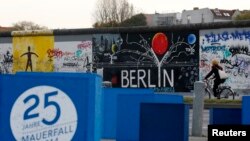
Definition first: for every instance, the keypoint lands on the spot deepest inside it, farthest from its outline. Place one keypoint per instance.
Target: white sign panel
(43, 113)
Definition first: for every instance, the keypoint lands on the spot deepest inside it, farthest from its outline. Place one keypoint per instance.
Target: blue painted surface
(246, 110)
(84, 90)
(110, 107)
(128, 112)
(162, 122)
(225, 116)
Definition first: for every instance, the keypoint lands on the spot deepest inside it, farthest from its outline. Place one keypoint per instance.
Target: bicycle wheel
(227, 93)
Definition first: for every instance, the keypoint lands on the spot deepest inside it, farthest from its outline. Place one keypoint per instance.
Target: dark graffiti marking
(8, 58)
(74, 58)
(6, 63)
(241, 72)
(225, 36)
(29, 60)
(70, 64)
(240, 60)
(239, 50)
(225, 61)
(238, 65)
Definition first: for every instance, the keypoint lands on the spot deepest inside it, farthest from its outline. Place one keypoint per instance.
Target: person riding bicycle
(217, 81)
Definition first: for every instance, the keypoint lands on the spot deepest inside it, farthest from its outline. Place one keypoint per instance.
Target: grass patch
(189, 100)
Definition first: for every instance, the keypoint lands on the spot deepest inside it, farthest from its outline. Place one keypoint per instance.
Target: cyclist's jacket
(214, 71)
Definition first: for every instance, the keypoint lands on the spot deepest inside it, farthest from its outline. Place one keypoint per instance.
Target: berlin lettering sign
(163, 60)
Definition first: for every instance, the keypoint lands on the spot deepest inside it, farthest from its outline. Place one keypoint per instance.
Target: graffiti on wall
(105, 48)
(39, 54)
(30, 53)
(75, 56)
(6, 58)
(231, 47)
(154, 60)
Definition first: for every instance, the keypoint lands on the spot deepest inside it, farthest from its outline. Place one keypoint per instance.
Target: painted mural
(75, 56)
(30, 53)
(230, 46)
(159, 60)
(105, 48)
(6, 58)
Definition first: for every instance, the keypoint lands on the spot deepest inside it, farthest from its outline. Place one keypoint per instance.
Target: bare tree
(112, 12)
(28, 25)
(126, 11)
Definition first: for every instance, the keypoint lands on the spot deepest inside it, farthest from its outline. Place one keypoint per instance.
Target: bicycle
(224, 91)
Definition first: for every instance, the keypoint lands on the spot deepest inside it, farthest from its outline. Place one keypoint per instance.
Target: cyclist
(217, 81)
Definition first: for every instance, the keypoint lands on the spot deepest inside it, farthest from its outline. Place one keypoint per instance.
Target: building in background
(5, 29)
(206, 15)
(158, 19)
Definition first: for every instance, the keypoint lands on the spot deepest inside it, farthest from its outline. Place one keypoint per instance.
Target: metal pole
(198, 107)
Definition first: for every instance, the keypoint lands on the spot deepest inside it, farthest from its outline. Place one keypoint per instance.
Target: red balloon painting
(160, 43)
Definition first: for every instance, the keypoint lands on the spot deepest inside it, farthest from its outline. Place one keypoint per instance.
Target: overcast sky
(79, 13)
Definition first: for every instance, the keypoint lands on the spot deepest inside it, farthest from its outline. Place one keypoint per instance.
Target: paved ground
(197, 138)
